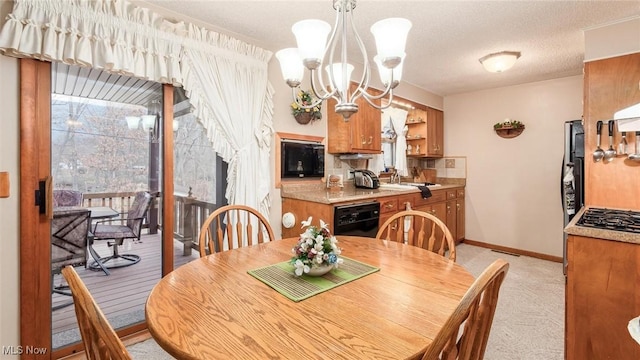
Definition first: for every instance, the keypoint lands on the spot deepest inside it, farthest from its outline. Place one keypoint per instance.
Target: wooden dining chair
(233, 226)
(98, 337)
(420, 229)
(475, 311)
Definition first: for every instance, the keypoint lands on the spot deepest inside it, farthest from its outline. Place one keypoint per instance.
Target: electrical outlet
(349, 174)
(337, 163)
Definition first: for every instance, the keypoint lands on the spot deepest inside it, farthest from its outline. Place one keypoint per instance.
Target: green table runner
(281, 278)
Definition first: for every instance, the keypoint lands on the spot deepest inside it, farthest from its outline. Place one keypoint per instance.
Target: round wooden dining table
(211, 308)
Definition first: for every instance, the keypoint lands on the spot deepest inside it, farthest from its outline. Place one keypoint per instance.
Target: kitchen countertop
(348, 194)
(573, 229)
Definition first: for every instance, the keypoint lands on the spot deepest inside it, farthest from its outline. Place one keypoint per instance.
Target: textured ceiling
(447, 38)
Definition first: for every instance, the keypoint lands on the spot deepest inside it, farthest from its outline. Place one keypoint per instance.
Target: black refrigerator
(572, 177)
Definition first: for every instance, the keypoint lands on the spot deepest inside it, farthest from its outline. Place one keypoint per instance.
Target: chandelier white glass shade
(387, 76)
(311, 37)
(499, 62)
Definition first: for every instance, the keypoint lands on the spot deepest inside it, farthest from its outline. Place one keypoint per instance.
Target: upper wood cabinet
(426, 132)
(360, 134)
(417, 132)
(610, 85)
(435, 133)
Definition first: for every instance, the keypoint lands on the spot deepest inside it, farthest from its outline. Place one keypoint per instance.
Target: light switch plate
(4, 184)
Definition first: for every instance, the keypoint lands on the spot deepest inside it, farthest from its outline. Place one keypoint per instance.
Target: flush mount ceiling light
(311, 37)
(499, 62)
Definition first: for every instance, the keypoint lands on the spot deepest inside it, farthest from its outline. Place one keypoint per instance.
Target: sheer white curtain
(225, 79)
(399, 117)
(232, 96)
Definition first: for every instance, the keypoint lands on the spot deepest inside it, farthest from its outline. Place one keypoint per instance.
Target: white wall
(512, 192)
(614, 39)
(9, 148)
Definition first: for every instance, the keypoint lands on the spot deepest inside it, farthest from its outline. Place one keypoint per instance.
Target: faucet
(395, 177)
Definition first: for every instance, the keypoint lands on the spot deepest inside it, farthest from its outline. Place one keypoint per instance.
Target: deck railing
(189, 214)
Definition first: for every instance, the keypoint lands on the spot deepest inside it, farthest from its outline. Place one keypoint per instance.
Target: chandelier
(311, 37)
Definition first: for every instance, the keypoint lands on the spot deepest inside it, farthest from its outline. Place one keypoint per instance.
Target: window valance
(225, 78)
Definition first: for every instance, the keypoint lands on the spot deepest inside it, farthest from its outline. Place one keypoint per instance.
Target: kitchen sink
(405, 186)
(397, 187)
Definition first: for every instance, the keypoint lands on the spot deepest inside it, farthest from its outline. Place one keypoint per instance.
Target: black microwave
(301, 159)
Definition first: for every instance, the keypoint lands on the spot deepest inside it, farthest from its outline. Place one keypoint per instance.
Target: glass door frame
(35, 166)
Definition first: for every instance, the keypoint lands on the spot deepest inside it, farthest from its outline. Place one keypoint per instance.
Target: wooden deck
(121, 295)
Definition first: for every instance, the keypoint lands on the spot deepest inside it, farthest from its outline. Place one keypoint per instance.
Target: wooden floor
(122, 294)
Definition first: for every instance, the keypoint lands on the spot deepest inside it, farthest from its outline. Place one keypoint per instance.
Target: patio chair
(417, 226)
(69, 231)
(129, 228)
(475, 311)
(67, 198)
(98, 337)
(229, 220)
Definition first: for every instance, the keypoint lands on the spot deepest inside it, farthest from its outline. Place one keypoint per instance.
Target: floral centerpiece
(303, 115)
(315, 249)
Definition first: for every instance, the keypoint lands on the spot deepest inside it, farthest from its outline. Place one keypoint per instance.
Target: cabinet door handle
(362, 138)
(394, 226)
(432, 211)
(458, 207)
(370, 140)
(388, 206)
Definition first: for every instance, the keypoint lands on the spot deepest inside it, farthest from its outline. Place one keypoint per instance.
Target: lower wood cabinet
(447, 205)
(602, 295)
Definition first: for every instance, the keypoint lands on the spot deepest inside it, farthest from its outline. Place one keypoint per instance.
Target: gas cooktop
(611, 219)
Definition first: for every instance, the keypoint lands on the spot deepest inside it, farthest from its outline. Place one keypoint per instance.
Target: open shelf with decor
(509, 128)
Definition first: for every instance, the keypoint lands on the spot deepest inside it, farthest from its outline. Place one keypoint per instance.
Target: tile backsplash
(448, 167)
(451, 167)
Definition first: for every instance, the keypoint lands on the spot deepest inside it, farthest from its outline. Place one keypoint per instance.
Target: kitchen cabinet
(417, 132)
(435, 133)
(610, 85)
(438, 208)
(455, 214)
(460, 218)
(360, 134)
(389, 205)
(425, 132)
(602, 295)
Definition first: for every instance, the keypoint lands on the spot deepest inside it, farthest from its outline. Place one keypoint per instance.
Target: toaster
(365, 179)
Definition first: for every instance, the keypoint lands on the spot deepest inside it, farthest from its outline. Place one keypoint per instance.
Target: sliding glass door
(199, 179)
(106, 163)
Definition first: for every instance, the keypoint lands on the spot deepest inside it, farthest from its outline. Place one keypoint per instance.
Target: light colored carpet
(529, 320)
